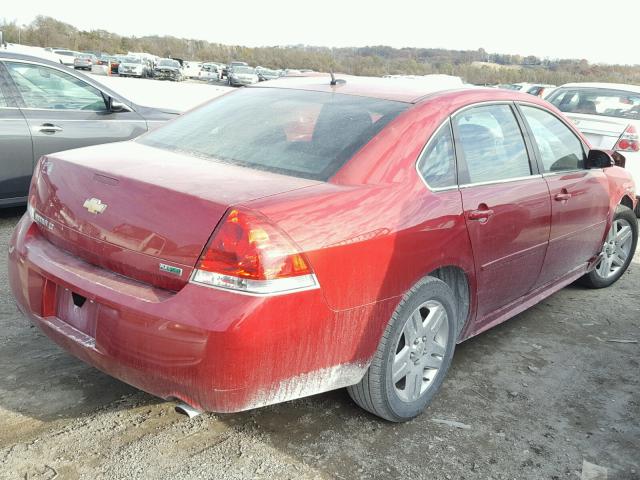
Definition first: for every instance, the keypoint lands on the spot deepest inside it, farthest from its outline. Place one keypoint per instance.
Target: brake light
(250, 254)
(628, 141)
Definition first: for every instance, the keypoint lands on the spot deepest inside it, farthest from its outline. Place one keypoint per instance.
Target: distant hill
(474, 66)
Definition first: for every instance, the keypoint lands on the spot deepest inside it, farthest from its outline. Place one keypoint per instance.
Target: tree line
(474, 66)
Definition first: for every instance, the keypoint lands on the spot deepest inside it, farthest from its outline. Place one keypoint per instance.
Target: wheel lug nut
(424, 339)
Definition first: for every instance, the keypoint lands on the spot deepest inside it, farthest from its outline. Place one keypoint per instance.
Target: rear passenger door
(16, 153)
(579, 197)
(506, 205)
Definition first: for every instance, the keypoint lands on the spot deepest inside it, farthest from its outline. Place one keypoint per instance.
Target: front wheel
(617, 251)
(413, 356)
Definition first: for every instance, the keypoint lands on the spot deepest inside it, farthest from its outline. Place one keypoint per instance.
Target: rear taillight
(628, 141)
(250, 254)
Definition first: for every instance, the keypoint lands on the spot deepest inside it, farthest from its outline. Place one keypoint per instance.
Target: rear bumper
(243, 82)
(632, 165)
(213, 349)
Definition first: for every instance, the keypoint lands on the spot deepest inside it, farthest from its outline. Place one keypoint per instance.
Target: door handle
(482, 215)
(48, 128)
(562, 197)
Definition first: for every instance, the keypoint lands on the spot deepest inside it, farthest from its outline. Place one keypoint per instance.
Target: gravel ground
(546, 395)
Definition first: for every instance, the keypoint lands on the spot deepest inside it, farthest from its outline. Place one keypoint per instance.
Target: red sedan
(300, 236)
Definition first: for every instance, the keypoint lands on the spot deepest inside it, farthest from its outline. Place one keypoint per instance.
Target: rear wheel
(617, 251)
(413, 356)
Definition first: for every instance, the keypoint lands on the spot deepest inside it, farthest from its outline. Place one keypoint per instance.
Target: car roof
(408, 90)
(614, 86)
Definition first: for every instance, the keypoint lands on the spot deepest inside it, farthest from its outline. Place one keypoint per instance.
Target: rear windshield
(300, 133)
(597, 101)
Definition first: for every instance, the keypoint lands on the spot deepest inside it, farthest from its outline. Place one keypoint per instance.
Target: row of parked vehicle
(538, 89)
(130, 65)
(143, 65)
(236, 73)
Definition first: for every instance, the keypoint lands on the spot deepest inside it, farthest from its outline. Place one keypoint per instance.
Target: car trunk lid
(601, 131)
(139, 211)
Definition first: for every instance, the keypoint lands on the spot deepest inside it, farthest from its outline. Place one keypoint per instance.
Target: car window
(437, 164)
(295, 132)
(559, 147)
(3, 100)
(492, 144)
(48, 88)
(597, 101)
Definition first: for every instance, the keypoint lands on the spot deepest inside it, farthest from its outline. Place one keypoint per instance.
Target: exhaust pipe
(187, 410)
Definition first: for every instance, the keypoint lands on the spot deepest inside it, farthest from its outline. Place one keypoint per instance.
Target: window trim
(20, 101)
(455, 186)
(536, 150)
(463, 170)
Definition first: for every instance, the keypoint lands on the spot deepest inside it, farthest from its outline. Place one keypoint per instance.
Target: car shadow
(42, 381)
(39, 379)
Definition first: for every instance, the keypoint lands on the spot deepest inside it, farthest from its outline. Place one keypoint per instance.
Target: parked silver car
(46, 107)
(133, 67)
(240, 75)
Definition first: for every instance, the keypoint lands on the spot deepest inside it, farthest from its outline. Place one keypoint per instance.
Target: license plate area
(77, 311)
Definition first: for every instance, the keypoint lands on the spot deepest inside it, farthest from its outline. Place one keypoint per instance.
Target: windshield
(243, 70)
(131, 60)
(300, 133)
(168, 63)
(597, 101)
(65, 52)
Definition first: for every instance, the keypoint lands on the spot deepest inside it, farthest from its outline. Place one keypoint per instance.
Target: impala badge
(170, 269)
(94, 205)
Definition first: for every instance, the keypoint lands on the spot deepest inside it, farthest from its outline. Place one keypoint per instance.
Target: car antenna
(334, 80)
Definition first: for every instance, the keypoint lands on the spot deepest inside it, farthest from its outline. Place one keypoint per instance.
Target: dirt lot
(546, 395)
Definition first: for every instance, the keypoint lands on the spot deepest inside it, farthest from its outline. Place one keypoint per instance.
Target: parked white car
(608, 114)
(210, 71)
(191, 69)
(66, 57)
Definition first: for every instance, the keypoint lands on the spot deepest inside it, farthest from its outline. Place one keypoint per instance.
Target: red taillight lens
(247, 252)
(628, 141)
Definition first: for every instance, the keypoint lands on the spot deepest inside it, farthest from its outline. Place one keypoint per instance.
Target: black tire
(593, 279)
(376, 392)
(637, 210)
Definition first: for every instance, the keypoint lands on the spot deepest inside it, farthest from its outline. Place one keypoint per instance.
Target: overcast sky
(605, 33)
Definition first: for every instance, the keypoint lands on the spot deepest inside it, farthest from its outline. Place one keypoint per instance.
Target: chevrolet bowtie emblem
(94, 205)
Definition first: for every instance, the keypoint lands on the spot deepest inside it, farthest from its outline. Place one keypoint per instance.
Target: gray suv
(46, 107)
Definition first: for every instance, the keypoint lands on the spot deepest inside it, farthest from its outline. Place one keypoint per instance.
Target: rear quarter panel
(375, 229)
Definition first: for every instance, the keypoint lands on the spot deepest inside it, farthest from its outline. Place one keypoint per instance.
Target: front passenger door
(579, 197)
(506, 206)
(64, 112)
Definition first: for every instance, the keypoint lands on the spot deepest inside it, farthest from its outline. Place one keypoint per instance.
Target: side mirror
(601, 159)
(116, 106)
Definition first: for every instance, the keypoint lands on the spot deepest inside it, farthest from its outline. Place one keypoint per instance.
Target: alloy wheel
(420, 351)
(616, 249)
